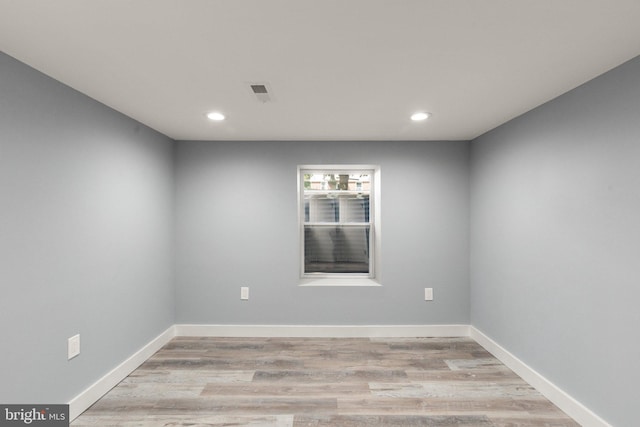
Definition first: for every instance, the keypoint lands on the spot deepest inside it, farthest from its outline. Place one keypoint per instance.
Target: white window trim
(375, 277)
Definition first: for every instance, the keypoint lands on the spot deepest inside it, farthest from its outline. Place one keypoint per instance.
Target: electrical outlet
(244, 292)
(73, 347)
(428, 294)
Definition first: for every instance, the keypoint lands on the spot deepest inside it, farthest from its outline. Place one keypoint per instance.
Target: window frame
(373, 278)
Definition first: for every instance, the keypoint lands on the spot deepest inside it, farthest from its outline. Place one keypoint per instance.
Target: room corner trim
(94, 392)
(323, 331)
(555, 394)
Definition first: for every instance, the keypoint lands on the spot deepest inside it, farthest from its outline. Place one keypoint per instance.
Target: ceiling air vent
(261, 91)
(259, 88)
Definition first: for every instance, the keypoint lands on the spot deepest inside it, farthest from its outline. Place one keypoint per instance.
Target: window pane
(334, 207)
(341, 181)
(355, 208)
(321, 208)
(336, 249)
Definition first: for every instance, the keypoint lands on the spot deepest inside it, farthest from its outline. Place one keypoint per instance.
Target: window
(339, 224)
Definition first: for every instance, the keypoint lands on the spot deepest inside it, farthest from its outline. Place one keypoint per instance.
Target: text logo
(34, 415)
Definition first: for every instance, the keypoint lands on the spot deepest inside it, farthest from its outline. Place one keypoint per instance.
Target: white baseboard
(565, 402)
(323, 331)
(576, 410)
(93, 393)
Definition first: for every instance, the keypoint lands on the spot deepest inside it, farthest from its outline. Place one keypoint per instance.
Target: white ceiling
(337, 69)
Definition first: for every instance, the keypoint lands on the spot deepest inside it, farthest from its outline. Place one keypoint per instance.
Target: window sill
(327, 281)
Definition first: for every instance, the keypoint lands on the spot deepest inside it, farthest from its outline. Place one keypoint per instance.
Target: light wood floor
(318, 382)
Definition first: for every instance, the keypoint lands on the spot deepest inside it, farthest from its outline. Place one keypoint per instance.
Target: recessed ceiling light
(418, 117)
(215, 116)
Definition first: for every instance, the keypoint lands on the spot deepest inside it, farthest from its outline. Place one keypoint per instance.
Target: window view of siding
(337, 222)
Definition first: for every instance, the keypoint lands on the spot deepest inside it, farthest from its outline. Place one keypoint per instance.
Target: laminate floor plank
(186, 376)
(496, 375)
(326, 376)
(391, 421)
(184, 420)
(322, 382)
(267, 389)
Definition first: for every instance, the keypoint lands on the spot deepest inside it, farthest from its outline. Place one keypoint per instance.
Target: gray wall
(85, 236)
(236, 216)
(555, 246)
